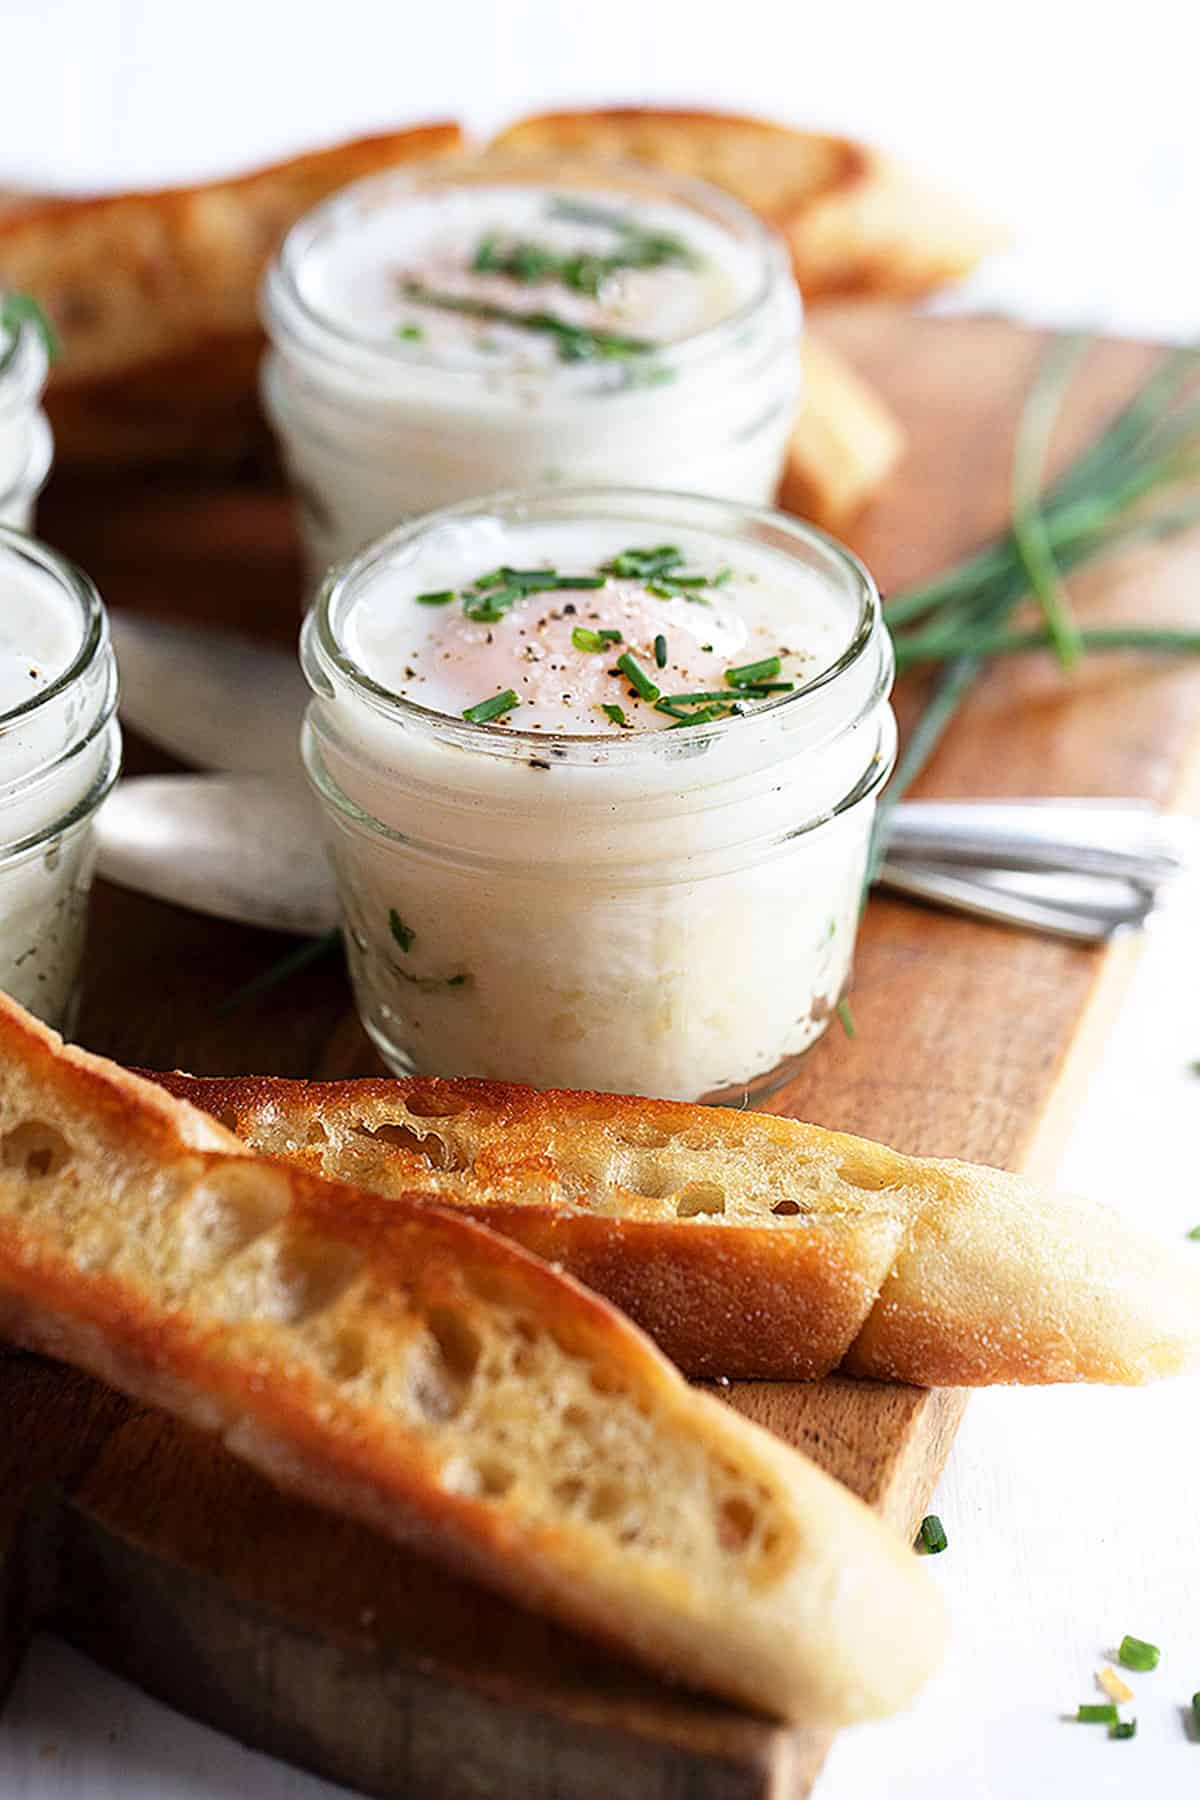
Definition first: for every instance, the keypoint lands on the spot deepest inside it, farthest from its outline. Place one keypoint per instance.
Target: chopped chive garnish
(584, 638)
(756, 689)
(1097, 1715)
(1194, 1234)
(665, 587)
(537, 580)
(1136, 1653)
(584, 271)
(1196, 1711)
(488, 607)
(752, 673)
(484, 252)
(659, 568)
(576, 343)
(615, 713)
(637, 678)
(660, 651)
(493, 594)
(1124, 1728)
(584, 212)
(484, 711)
(530, 578)
(932, 1535)
(404, 934)
(440, 597)
(412, 334)
(642, 563)
(703, 697)
(690, 715)
(704, 716)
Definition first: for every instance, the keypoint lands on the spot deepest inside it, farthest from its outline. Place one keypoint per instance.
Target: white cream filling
(751, 608)
(358, 276)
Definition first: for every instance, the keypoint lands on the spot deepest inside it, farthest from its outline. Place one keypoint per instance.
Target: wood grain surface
(146, 1545)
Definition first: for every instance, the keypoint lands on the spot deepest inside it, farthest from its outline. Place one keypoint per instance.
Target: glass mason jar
(60, 753)
(26, 443)
(377, 430)
(658, 912)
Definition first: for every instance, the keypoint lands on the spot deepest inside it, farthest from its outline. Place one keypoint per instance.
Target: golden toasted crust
(406, 1366)
(754, 1246)
(155, 297)
(845, 444)
(771, 168)
(856, 223)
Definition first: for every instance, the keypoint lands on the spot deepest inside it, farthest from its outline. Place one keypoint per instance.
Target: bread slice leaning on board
(403, 1365)
(857, 222)
(753, 1246)
(154, 296)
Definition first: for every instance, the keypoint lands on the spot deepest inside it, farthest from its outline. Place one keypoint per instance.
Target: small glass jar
(377, 431)
(26, 442)
(60, 754)
(659, 912)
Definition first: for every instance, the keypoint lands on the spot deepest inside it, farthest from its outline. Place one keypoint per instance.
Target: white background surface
(1073, 1515)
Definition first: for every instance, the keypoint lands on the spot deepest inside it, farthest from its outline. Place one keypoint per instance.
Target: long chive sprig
(1029, 531)
(1147, 445)
(575, 343)
(1102, 503)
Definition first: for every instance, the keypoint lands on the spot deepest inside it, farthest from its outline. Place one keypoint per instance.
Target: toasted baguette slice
(402, 1365)
(155, 296)
(748, 1245)
(855, 221)
(845, 444)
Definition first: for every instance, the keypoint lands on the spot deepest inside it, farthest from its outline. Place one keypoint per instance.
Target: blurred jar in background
(442, 334)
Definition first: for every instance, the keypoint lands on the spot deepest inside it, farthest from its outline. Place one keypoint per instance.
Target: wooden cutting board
(151, 1549)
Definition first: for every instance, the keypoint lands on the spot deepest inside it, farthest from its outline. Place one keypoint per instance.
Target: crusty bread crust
(753, 1246)
(856, 223)
(155, 294)
(402, 1364)
(775, 170)
(155, 298)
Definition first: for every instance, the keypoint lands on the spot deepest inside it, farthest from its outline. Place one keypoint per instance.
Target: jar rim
(94, 624)
(283, 301)
(321, 649)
